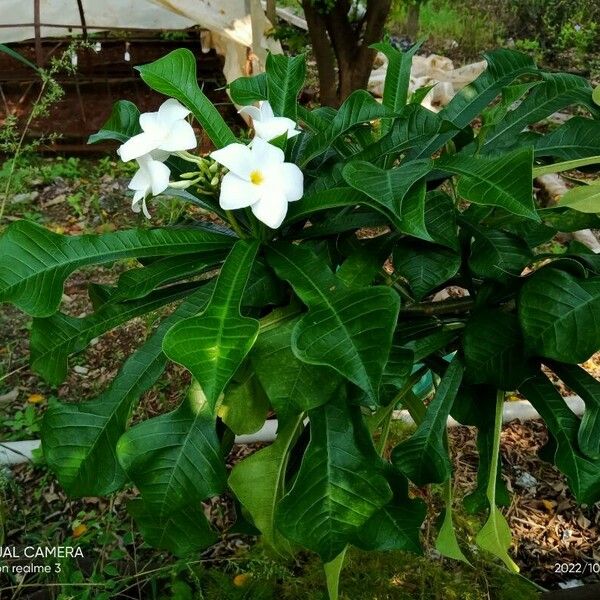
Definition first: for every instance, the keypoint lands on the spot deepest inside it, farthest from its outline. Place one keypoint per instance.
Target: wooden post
(39, 57)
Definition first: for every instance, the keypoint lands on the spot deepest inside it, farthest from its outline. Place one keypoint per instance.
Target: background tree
(341, 33)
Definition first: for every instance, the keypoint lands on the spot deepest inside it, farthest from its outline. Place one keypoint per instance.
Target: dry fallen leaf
(79, 530)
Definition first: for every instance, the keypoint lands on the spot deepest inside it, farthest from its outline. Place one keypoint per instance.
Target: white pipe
(13, 453)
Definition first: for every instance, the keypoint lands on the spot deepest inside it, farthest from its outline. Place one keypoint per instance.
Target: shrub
(328, 316)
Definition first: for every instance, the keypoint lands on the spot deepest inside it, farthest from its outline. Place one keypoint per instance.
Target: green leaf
(247, 90)
(333, 570)
(559, 315)
(137, 283)
(182, 532)
(395, 526)
(175, 459)
(495, 535)
(577, 138)
(337, 489)
(214, 344)
(285, 79)
(588, 388)
(557, 91)
(123, 123)
(585, 198)
(389, 189)
(413, 126)
(503, 67)
(567, 219)
(440, 219)
(54, 338)
(567, 165)
(245, 405)
(473, 406)
(267, 466)
(497, 255)
(349, 330)
(397, 76)
(504, 181)
(493, 348)
(298, 386)
(174, 75)
(14, 54)
(359, 107)
(78, 437)
(36, 262)
(424, 266)
(446, 542)
(583, 473)
(423, 458)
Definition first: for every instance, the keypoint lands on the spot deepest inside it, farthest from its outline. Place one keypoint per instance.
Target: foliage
(313, 319)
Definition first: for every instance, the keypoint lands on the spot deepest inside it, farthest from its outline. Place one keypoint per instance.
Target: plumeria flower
(259, 178)
(266, 125)
(165, 130)
(151, 178)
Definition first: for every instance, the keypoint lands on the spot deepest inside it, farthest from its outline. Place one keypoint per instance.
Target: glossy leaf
(582, 472)
(175, 459)
(349, 330)
(336, 490)
(585, 198)
(285, 79)
(123, 123)
(504, 181)
(559, 315)
(494, 351)
(36, 261)
(77, 437)
(588, 388)
(54, 338)
(577, 138)
(247, 90)
(214, 344)
(424, 266)
(298, 386)
(423, 458)
(183, 532)
(446, 542)
(174, 75)
(267, 466)
(359, 107)
(389, 188)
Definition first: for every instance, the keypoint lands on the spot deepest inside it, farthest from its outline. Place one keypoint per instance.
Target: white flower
(151, 178)
(165, 130)
(258, 177)
(266, 125)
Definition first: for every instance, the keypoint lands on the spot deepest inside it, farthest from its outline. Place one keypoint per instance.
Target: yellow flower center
(256, 177)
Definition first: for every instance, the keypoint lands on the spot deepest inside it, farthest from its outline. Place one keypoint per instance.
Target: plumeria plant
(320, 296)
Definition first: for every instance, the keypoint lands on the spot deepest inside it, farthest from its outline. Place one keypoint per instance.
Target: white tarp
(234, 25)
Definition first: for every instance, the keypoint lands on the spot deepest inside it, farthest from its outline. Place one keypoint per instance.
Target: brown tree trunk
(412, 19)
(336, 39)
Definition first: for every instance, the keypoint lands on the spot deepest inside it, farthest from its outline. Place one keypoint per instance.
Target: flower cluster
(258, 177)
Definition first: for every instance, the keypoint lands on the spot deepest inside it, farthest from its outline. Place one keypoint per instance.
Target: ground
(77, 196)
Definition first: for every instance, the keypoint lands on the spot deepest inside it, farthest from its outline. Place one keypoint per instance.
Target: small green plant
(304, 279)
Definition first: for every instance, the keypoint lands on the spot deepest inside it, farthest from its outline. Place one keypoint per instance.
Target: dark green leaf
(285, 79)
(123, 123)
(423, 458)
(247, 90)
(559, 315)
(214, 344)
(36, 261)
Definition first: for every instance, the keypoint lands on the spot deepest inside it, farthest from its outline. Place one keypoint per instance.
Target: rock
(526, 480)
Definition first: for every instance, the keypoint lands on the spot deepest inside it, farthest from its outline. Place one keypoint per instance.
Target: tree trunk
(412, 19)
(336, 39)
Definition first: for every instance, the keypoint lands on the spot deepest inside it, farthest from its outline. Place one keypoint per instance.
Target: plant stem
(235, 225)
(495, 458)
(453, 305)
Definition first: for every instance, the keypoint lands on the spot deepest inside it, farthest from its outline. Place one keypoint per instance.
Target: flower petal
(252, 111)
(266, 110)
(271, 208)
(292, 181)
(273, 128)
(159, 176)
(237, 192)
(150, 124)
(265, 154)
(137, 146)
(238, 158)
(180, 137)
(172, 110)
